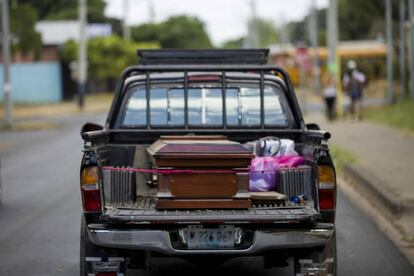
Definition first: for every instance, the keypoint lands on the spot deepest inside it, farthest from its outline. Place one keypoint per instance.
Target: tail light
(91, 197)
(327, 188)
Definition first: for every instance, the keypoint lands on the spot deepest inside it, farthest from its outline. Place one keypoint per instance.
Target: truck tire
(327, 254)
(87, 248)
(83, 238)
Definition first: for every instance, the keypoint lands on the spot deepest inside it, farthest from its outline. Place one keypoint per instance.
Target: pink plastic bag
(262, 175)
(263, 171)
(289, 161)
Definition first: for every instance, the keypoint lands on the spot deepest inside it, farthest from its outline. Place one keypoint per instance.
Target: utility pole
(8, 118)
(125, 28)
(151, 11)
(313, 33)
(388, 19)
(82, 53)
(402, 47)
(254, 32)
(333, 66)
(411, 24)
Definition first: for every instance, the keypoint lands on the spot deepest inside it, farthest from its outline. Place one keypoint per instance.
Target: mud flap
(318, 262)
(94, 260)
(103, 266)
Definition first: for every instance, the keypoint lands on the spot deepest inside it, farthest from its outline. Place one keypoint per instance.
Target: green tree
(234, 43)
(267, 32)
(176, 32)
(25, 38)
(184, 32)
(146, 32)
(66, 9)
(107, 56)
(297, 31)
(357, 19)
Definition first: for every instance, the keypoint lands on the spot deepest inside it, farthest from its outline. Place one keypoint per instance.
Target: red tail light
(91, 196)
(327, 188)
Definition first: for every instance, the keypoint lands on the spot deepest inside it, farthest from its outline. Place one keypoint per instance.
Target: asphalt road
(40, 216)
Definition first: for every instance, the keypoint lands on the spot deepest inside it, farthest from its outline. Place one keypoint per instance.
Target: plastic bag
(262, 175)
(287, 147)
(263, 171)
(268, 146)
(289, 161)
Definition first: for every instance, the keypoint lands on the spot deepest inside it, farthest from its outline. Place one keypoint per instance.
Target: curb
(378, 193)
(390, 227)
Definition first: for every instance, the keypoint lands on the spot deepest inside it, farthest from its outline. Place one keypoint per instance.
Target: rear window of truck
(241, 106)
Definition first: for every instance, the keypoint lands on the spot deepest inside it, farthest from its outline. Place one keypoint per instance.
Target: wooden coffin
(217, 176)
(199, 152)
(203, 190)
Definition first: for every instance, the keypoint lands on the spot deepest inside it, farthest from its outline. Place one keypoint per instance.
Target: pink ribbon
(169, 171)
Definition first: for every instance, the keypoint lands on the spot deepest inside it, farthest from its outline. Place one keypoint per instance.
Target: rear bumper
(159, 240)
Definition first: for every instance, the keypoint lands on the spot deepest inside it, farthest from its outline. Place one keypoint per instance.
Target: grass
(341, 157)
(399, 115)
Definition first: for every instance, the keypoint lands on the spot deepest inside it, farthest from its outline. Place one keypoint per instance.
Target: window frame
(130, 88)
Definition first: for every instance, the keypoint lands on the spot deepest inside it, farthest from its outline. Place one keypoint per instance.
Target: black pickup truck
(174, 172)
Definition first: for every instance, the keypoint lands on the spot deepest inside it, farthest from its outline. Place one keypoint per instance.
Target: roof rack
(216, 56)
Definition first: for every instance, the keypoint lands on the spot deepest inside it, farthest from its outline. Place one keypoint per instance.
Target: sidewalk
(384, 174)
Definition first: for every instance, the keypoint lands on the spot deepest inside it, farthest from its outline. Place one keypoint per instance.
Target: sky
(224, 19)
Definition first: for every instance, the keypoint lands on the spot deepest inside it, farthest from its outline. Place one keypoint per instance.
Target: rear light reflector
(91, 196)
(327, 188)
(325, 199)
(195, 78)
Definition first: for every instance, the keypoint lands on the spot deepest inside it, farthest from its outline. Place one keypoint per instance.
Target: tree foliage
(261, 33)
(66, 9)
(184, 32)
(357, 20)
(266, 32)
(233, 43)
(107, 56)
(176, 32)
(24, 37)
(146, 32)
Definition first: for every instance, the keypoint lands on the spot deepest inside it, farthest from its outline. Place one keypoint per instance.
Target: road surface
(40, 215)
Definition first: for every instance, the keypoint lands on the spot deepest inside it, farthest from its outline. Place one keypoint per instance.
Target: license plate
(199, 237)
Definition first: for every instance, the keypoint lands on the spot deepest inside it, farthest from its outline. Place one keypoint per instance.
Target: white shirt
(360, 77)
(330, 91)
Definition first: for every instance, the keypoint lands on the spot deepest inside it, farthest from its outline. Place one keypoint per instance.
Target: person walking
(329, 95)
(353, 84)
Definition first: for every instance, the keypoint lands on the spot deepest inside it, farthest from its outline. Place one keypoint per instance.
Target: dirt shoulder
(93, 103)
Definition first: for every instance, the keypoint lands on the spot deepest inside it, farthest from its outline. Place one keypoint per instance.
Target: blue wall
(39, 82)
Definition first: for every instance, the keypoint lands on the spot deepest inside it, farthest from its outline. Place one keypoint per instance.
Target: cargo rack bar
(206, 56)
(220, 69)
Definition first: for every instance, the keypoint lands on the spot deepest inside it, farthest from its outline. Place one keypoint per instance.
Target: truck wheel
(87, 248)
(325, 259)
(83, 240)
